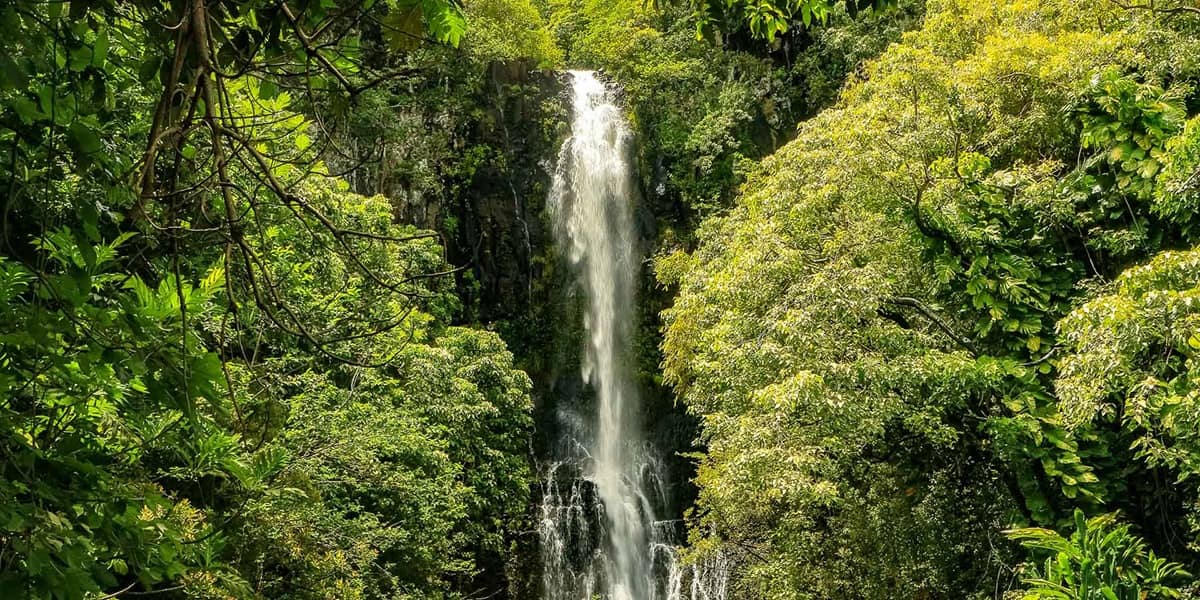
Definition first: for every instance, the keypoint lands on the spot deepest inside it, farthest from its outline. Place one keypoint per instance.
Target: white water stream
(598, 532)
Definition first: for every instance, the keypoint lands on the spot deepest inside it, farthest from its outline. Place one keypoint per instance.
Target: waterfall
(598, 531)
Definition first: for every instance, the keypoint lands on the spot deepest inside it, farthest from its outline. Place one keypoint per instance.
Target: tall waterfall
(598, 532)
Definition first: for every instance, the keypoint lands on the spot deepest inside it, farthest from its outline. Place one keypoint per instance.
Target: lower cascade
(604, 491)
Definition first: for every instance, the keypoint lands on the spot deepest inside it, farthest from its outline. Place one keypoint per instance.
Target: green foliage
(1132, 358)
(1131, 121)
(766, 19)
(1175, 196)
(508, 30)
(223, 376)
(434, 472)
(407, 21)
(120, 395)
(902, 332)
(110, 399)
(1101, 560)
(1126, 125)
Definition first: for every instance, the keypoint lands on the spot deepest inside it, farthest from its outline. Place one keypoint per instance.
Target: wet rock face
(501, 231)
(496, 226)
(465, 150)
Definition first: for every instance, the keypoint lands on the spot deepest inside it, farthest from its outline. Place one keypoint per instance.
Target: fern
(1101, 560)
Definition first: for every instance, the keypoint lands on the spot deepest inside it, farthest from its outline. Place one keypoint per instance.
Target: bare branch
(961, 340)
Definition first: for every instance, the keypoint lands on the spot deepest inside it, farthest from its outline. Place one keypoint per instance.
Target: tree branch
(1149, 6)
(928, 313)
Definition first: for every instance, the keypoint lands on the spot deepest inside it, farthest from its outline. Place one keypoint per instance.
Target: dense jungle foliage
(225, 374)
(961, 300)
(274, 280)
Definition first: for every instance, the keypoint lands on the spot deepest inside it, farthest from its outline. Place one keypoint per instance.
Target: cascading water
(598, 531)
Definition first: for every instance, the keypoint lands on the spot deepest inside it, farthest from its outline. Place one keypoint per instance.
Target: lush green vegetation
(958, 301)
(224, 374)
(928, 272)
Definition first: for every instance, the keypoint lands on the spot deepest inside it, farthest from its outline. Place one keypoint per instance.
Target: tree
(180, 296)
(872, 335)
